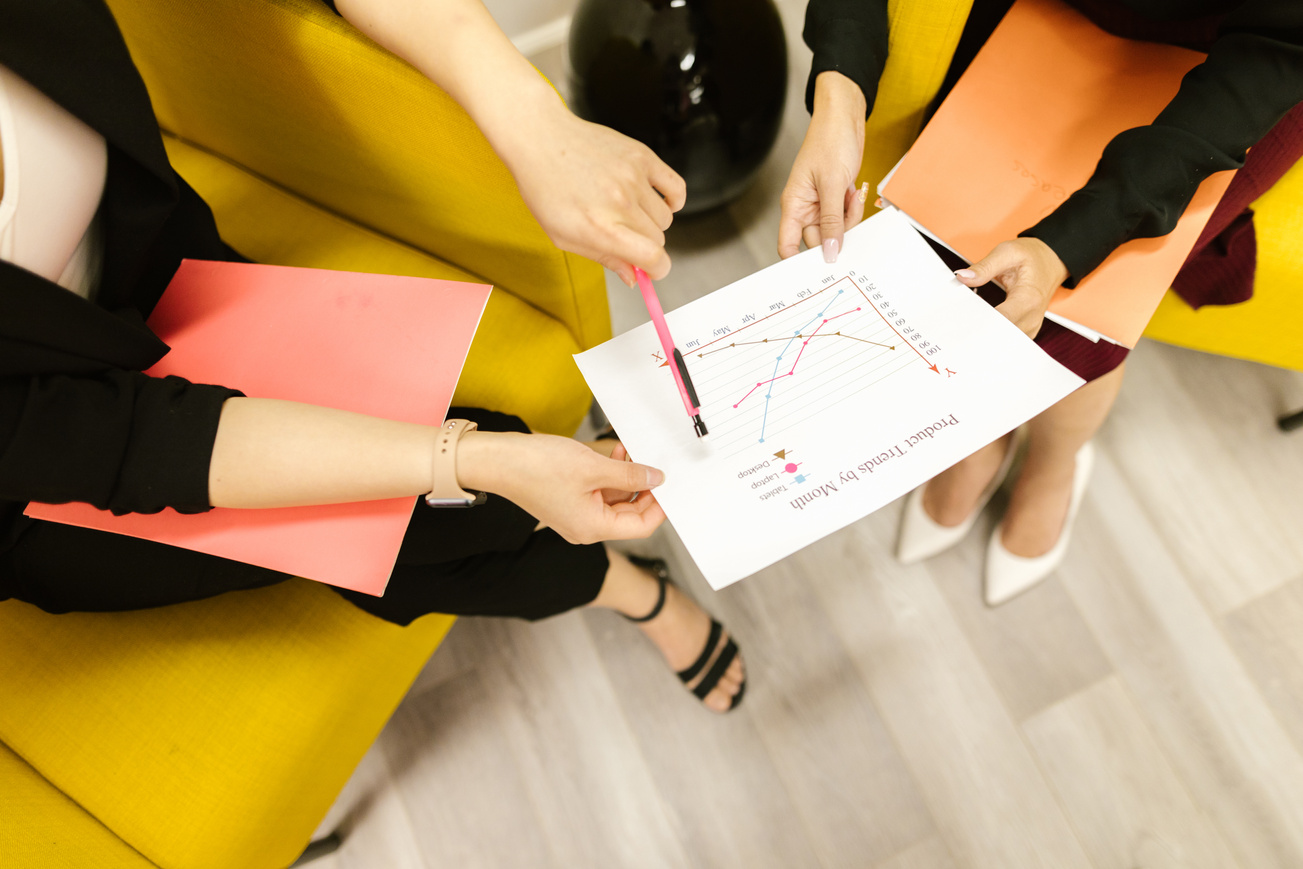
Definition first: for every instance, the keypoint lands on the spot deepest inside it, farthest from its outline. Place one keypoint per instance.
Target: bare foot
(1038, 508)
(950, 497)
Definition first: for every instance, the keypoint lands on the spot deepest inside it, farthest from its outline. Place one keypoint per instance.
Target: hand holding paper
(1024, 128)
(344, 415)
(576, 491)
(1028, 271)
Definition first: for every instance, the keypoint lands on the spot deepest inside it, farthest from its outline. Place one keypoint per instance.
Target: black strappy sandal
(726, 655)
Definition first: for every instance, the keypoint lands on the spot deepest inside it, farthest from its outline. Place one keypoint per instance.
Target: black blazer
(78, 421)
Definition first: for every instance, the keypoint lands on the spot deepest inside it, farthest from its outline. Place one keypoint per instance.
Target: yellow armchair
(218, 733)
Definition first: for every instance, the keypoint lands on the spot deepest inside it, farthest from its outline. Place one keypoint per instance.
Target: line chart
(797, 360)
(803, 358)
(830, 390)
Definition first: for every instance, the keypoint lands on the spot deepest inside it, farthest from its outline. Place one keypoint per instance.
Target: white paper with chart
(829, 391)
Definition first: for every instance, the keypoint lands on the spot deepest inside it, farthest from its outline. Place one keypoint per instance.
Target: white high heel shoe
(922, 537)
(1008, 574)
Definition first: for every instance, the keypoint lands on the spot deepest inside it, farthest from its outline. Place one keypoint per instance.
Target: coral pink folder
(375, 344)
(1024, 127)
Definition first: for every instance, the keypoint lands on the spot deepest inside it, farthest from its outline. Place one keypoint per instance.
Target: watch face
(477, 499)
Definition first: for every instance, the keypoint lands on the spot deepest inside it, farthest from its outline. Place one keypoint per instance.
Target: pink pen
(672, 354)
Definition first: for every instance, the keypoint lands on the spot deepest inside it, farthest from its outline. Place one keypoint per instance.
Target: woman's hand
(1029, 271)
(594, 191)
(612, 449)
(271, 453)
(820, 202)
(583, 495)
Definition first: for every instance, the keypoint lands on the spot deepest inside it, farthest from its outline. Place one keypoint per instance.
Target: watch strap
(445, 491)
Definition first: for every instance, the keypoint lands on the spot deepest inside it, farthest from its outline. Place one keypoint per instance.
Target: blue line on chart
(795, 335)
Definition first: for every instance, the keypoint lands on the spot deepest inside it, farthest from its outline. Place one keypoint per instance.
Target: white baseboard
(543, 37)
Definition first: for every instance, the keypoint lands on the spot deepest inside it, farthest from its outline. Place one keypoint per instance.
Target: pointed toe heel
(922, 537)
(1007, 575)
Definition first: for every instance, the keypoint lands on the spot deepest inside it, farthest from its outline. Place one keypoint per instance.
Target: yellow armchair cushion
(41, 827)
(920, 43)
(520, 361)
(292, 93)
(209, 734)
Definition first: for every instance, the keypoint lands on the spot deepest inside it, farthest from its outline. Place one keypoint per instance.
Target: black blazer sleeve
(119, 440)
(1147, 176)
(850, 37)
(78, 419)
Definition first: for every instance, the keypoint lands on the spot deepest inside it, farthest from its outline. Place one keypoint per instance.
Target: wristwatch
(444, 489)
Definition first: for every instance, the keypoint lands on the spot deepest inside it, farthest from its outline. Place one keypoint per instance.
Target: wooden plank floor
(1142, 708)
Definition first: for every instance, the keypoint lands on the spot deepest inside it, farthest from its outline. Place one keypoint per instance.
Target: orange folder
(376, 344)
(1024, 127)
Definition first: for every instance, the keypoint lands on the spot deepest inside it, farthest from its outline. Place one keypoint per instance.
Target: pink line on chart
(806, 342)
(758, 385)
(798, 356)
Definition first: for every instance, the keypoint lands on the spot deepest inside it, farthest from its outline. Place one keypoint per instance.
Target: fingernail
(654, 478)
(830, 250)
(864, 192)
(965, 273)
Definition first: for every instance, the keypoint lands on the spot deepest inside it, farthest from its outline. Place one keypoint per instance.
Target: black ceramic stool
(700, 82)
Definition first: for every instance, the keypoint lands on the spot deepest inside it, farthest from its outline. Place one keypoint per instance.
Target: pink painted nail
(830, 250)
(966, 273)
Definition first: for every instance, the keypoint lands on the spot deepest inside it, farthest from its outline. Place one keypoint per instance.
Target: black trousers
(485, 560)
